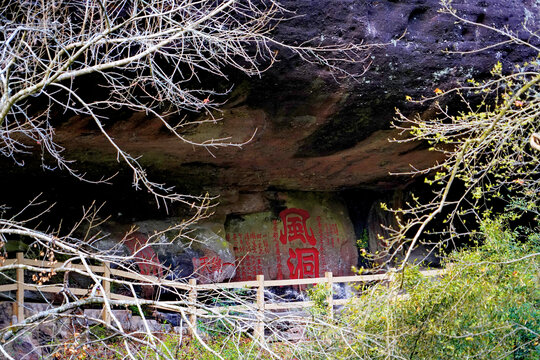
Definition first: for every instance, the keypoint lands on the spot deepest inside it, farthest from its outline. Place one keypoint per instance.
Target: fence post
(106, 292)
(192, 297)
(259, 327)
(330, 293)
(19, 305)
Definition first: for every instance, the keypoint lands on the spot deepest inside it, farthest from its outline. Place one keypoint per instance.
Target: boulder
(164, 250)
(216, 264)
(23, 347)
(302, 236)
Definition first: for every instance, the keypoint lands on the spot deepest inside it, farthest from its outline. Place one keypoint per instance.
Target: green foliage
(99, 332)
(485, 191)
(217, 328)
(319, 295)
(146, 310)
(179, 347)
(487, 306)
(228, 349)
(363, 242)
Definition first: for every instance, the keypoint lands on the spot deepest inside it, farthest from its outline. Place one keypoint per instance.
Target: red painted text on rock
(206, 265)
(295, 227)
(303, 263)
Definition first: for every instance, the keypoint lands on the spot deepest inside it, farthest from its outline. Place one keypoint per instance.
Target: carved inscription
(294, 246)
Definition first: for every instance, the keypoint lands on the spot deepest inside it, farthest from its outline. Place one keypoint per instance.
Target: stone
(30, 344)
(6, 314)
(305, 235)
(296, 333)
(137, 324)
(311, 132)
(217, 261)
(379, 222)
(123, 316)
(243, 203)
(22, 347)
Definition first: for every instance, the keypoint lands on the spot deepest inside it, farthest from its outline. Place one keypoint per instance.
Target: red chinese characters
(144, 255)
(302, 262)
(295, 227)
(306, 263)
(205, 265)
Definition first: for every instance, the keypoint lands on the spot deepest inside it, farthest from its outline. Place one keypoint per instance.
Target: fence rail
(109, 275)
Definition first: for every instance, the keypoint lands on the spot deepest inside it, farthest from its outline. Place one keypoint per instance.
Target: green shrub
(487, 306)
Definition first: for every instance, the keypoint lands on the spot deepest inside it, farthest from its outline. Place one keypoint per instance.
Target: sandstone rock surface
(305, 236)
(311, 132)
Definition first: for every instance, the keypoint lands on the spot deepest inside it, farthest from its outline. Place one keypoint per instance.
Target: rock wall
(311, 132)
(298, 235)
(311, 234)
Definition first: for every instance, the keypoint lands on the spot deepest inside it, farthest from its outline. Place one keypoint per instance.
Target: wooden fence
(193, 289)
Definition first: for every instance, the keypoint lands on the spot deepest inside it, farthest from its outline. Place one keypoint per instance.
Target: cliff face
(308, 131)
